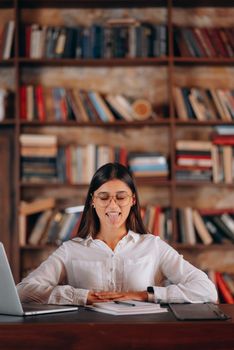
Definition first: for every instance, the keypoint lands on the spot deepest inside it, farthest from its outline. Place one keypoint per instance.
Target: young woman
(113, 256)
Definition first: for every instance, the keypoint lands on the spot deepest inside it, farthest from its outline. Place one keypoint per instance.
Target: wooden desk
(85, 330)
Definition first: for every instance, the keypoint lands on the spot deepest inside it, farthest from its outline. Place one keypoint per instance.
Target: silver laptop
(10, 303)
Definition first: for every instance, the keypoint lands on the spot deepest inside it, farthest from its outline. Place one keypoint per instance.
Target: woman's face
(112, 202)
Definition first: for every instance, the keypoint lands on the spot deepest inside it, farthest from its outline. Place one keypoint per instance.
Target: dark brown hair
(90, 224)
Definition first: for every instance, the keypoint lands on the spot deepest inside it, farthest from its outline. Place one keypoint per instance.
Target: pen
(124, 303)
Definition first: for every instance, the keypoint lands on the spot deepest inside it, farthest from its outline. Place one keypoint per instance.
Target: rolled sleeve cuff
(68, 295)
(80, 296)
(160, 294)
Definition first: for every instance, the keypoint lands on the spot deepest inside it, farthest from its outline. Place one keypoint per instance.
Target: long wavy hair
(90, 224)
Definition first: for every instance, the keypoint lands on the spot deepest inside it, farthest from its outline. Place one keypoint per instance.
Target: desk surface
(86, 330)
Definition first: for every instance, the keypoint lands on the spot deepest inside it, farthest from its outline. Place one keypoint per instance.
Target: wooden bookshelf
(154, 76)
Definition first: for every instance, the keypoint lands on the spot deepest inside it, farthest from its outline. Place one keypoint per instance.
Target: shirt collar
(89, 239)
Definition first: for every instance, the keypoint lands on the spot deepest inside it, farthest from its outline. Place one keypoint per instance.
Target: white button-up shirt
(137, 261)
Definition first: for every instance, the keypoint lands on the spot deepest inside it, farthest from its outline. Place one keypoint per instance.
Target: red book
(192, 167)
(208, 43)
(215, 41)
(63, 109)
(203, 45)
(156, 229)
(193, 156)
(223, 139)
(213, 211)
(28, 30)
(75, 229)
(229, 34)
(223, 288)
(23, 104)
(123, 156)
(40, 103)
(226, 42)
(142, 211)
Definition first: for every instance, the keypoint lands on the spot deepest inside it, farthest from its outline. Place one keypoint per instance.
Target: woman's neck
(111, 237)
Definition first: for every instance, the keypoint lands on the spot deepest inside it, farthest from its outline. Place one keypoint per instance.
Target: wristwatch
(150, 291)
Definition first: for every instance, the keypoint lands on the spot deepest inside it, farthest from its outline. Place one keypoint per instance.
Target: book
(223, 288)
(10, 28)
(213, 230)
(201, 228)
(229, 280)
(223, 229)
(227, 164)
(3, 95)
(40, 227)
(37, 205)
(228, 221)
(117, 107)
(103, 111)
(193, 145)
(128, 307)
(189, 227)
(38, 140)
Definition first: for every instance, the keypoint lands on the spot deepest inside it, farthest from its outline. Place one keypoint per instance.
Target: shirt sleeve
(46, 284)
(188, 284)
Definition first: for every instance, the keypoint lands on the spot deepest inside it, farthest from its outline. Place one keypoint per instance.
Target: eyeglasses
(122, 198)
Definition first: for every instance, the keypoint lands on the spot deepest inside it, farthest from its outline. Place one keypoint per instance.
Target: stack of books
(148, 164)
(223, 150)
(194, 160)
(38, 157)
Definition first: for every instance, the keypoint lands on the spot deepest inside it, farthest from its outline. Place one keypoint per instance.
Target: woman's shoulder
(76, 241)
(73, 243)
(145, 237)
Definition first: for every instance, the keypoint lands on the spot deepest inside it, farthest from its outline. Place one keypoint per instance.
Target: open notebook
(10, 303)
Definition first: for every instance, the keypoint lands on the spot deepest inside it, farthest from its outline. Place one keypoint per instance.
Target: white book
(3, 95)
(38, 140)
(228, 221)
(9, 40)
(201, 228)
(127, 307)
(189, 227)
(75, 209)
(113, 101)
(192, 145)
